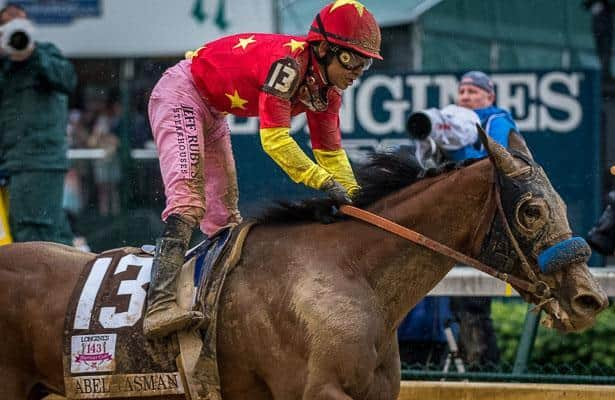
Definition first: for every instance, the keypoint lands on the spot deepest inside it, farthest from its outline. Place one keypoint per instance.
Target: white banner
(150, 28)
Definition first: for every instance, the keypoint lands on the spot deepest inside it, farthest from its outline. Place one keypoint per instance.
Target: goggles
(351, 60)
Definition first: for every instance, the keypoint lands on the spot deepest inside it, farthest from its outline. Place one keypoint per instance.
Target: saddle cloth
(105, 353)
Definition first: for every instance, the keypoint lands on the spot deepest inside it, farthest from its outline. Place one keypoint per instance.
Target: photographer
(453, 130)
(35, 81)
(453, 127)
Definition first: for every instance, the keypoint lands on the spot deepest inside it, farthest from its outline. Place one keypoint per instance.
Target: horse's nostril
(588, 303)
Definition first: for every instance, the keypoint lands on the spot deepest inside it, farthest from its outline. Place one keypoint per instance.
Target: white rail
(466, 281)
(97, 154)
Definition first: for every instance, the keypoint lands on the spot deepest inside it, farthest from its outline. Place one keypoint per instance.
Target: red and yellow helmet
(349, 24)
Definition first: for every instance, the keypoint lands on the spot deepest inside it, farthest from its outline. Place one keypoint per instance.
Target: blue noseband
(566, 252)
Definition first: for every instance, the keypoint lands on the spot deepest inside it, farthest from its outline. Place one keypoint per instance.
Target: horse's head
(530, 238)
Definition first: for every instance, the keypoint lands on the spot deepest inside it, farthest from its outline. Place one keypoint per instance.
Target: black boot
(163, 315)
(602, 236)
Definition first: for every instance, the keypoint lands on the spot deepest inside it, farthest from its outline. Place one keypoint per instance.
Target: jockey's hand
(326, 214)
(336, 192)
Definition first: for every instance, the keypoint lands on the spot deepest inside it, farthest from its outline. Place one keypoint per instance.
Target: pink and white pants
(195, 154)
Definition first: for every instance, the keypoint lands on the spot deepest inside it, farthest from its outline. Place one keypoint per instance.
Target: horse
(311, 310)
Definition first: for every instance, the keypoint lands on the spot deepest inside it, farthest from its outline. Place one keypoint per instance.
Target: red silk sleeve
(273, 111)
(325, 126)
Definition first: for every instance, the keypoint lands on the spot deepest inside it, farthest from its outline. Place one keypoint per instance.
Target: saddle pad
(206, 254)
(105, 354)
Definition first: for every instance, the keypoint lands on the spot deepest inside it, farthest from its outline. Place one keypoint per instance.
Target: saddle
(105, 352)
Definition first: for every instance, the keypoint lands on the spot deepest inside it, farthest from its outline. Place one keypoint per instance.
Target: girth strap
(438, 247)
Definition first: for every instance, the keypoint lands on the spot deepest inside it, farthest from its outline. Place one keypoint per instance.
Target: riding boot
(602, 236)
(163, 315)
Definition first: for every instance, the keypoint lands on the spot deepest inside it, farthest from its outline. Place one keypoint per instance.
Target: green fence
(579, 358)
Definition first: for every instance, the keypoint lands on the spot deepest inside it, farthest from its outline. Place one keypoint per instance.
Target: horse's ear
(502, 159)
(517, 142)
(484, 139)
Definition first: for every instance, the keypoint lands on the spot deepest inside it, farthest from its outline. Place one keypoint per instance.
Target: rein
(540, 289)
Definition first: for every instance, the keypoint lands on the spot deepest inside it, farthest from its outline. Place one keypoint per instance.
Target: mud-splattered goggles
(351, 60)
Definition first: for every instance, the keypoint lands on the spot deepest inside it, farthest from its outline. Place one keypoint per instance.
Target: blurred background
(541, 54)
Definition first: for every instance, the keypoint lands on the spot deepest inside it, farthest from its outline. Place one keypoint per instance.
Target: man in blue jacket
(35, 81)
(453, 131)
(476, 333)
(476, 92)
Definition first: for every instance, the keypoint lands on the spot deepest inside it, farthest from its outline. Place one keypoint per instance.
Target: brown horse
(311, 310)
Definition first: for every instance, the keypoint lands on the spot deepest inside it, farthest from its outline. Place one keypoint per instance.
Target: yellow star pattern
(190, 54)
(294, 45)
(236, 100)
(243, 43)
(360, 7)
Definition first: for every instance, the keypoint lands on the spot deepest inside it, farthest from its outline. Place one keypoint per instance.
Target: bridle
(538, 288)
(534, 286)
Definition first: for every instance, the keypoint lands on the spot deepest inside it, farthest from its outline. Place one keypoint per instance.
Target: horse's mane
(383, 174)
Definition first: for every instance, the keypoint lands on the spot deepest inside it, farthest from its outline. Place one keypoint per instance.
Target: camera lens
(418, 125)
(19, 40)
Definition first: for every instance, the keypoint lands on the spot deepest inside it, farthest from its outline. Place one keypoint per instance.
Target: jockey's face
(342, 76)
(473, 97)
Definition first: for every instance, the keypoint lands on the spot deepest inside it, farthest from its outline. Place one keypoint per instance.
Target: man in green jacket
(34, 87)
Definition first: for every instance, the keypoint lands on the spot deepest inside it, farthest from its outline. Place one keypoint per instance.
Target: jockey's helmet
(349, 24)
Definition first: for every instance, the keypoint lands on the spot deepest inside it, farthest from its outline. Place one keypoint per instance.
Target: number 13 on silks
(108, 317)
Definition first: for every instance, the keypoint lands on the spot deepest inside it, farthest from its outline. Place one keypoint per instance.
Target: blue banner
(556, 111)
(59, 11)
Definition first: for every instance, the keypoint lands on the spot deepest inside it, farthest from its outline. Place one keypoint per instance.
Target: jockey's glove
(336, 192)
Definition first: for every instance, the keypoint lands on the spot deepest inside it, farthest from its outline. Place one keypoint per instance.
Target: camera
(419, 125)
(16, 36)
(451, 127)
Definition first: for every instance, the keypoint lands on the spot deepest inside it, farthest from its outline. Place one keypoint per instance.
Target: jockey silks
(245, 75)
(263, 75)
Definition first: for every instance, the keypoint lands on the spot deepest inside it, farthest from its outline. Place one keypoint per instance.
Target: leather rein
(538, 288)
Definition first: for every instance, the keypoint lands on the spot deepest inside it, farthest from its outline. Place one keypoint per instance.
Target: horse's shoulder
(45, 251)
(37, 245)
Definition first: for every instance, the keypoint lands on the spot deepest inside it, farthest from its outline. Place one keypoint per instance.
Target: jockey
(271, 76)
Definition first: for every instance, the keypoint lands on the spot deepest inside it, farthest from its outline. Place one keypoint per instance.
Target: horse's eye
(532, 214)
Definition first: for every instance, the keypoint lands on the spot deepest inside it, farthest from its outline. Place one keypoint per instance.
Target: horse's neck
(447, 209)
